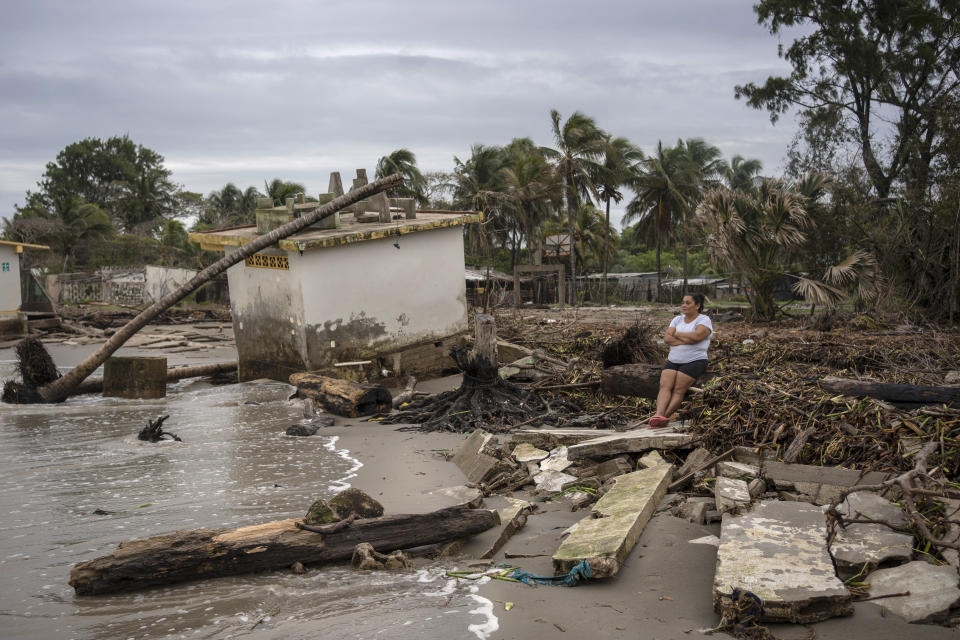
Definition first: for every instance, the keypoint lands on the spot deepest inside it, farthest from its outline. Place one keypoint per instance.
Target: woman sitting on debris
(688, 337)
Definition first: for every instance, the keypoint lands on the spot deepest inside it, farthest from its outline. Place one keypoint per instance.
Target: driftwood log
(639, 380)
(342, 397)
(211, 553)
(911, 393)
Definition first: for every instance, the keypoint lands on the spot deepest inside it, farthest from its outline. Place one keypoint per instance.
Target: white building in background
(13, 322)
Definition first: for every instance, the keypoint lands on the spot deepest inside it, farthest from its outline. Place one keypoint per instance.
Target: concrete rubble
(606, 537)
(821, 484)
(637, 441)
(933, 591)
(778, 552)
(737, 470)
(861, 547)
(477, 457)
(525, 452)
(731, 495)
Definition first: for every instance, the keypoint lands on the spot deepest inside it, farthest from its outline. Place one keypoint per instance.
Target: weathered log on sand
(343, 397)
(892, 392)
(211, 553)
(95, 385)
(640, 380)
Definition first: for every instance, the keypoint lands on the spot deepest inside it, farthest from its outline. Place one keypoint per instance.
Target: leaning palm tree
(761, 231)
(663, 186)
(404, 162)
(619, 167)
(579, 147)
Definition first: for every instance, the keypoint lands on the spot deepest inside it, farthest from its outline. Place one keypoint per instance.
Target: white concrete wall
(163, 280)
(9, 280)
(373, 294)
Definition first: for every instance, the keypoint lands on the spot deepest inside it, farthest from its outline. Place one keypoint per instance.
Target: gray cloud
(245, 91)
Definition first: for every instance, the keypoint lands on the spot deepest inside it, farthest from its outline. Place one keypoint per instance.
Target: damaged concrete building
(376, 287)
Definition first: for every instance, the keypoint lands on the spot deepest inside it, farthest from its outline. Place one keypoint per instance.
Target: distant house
(13, 317)
(382, 290)
(712, 287)
(127, 286)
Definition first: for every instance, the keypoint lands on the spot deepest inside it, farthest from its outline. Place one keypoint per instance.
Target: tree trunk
(606, 252)
(58, 390)
(481, 362)
(212, 553)
(95, 385)
(343, 397)
(638, 380)
(892, 392)
(571, 196)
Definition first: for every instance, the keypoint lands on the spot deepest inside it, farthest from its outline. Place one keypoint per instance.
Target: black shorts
(693, 369)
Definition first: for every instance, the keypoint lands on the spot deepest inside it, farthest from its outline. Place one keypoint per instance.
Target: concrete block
(694, 459)
(778, 552)
(862, 547)
(552, 438)
(738, 470)
(512, 519)
(135, 377)
(651, 459)
(553, 481)
(558, 460)
(613, 468)
(756, 487)
(606, 537)
(13, 325)
(822, 484)
(474, 458)
(461, 496)
(731, 494)
(754, 456)
(637, 441)
(695, 509)
(270, 219)
(933, 590)
(524, 452)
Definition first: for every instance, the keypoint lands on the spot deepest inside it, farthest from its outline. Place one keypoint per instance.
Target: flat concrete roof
(350, 231)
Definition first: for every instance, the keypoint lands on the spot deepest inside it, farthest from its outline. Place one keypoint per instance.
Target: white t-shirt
(684, 353)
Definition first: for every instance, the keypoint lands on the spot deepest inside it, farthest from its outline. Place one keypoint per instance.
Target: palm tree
(477, 184)
(280, 190)
(741, 173)
(579, 146)
(762, 230)
(663, 187)
(531, 190)
(404, 162)
(78, 223)
(591, 235)
(619, 167)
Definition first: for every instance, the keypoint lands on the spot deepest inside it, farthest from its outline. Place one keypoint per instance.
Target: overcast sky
(244, 92)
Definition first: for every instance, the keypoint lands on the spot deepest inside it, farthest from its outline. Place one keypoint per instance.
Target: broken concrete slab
(822, 484)
(552, 481)
(694, 459)
(862, 547)
(754, 456)
(651, 459)
(637, 441)
(512, 519)
(525, 452)
(694, 509)
(731, 494)
(613, 468)
(606, 537)
(558, 460)
(475, 459)
(738, 470)
(779, 553)
(552, 438)
(952, 534)
(933, 590)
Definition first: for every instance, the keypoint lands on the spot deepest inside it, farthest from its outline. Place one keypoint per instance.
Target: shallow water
(75, 481)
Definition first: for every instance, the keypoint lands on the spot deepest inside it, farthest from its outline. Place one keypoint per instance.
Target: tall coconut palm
(707, 164)
(404, 162)
(477, 185)
(579, 148)
(591, 235)
(531, 190)
(663, 187)
(78, 223)
(741, 173)
(619, 167)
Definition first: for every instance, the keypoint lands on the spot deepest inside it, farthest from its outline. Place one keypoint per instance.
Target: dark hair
(698, 299)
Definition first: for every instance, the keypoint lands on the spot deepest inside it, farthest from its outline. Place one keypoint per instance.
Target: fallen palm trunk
(342, 397)
(95, 385)
(211, 553)
(892, 392)
(639, 380)
(59, 389)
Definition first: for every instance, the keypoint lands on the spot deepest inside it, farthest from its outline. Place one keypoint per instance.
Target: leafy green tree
(124, 179)
(879, 73)
(403, 161)
(579, 145)
(531, 191)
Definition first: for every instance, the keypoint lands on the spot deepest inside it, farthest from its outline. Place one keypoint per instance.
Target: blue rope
(580, 572)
